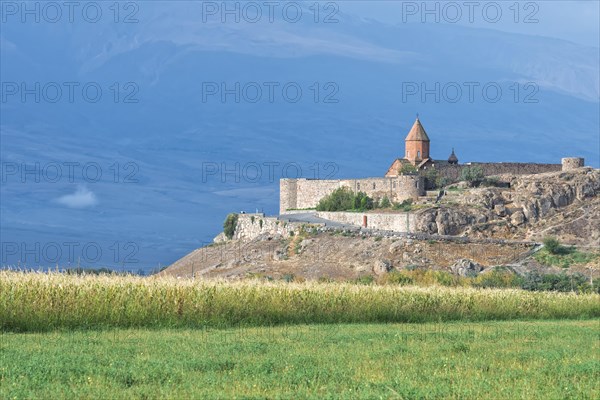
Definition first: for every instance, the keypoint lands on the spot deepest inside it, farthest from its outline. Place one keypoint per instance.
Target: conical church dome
(453, 159)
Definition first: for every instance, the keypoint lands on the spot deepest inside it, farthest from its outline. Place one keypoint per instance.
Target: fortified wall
(453, 171)
(300, 194)
(397, 222)
(250, 226)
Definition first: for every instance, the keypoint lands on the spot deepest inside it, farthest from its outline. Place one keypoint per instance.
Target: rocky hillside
(337, 256)
(563, 204)
(483, 228)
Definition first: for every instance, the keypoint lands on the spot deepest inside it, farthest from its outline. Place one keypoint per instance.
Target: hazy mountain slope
(170, 132)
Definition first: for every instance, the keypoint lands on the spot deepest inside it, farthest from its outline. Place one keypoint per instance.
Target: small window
(394, 184)
(358, 185)
(418, 154)
(373, 185)
(407, 154)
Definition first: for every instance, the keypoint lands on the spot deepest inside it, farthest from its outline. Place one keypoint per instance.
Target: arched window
(418, 154)
(407, 154)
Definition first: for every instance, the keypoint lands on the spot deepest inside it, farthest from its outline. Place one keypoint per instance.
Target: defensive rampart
(301, 194)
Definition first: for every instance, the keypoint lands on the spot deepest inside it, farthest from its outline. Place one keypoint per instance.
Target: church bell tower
(416, 144)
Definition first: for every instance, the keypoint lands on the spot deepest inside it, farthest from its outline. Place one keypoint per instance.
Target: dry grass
(38, 302)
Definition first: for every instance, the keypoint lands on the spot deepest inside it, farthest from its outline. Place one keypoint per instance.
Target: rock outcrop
(466, 267)
(530, 199)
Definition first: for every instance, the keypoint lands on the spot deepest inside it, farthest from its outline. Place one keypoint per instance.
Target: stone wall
(299, 194)
(250, 226)
(453, 172)
(570, 163)
(397, 222)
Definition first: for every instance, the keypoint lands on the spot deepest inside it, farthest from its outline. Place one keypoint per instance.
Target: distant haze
(172, 146)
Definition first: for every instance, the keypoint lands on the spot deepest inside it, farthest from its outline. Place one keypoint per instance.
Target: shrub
(385, 202)
(472, 175)
(434, 180)
(339, 200)
(491, 181)
(343, 199)
(365, 202)
(445, 278)
(442, 181)
(230, 224)
(405, 206)
(364, 280)
(407, 169)
(497, 279)
(397, 278)
(552, 245)
(535, 281)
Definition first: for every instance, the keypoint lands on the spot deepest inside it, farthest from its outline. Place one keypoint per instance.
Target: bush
(230, 224)
(492, 181)
(472, 175)
(364, 280)
(339, 200)
(405, 206)
(433, 180)
(407, 169)
(385, 202)
(552, 245)
(534, 281)
(497, 279)
(364, 201)
(343, 199)
(563, 256)
(397, 278)
(442, 181)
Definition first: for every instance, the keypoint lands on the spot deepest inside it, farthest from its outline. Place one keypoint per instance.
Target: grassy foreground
(41, 302)
(484, 360)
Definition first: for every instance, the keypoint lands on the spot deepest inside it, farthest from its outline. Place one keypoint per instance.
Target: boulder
(500, 210)
(481, 218)
(396, 247)
(517, 218)
(382, 267)
(280, 255)
(466, 267)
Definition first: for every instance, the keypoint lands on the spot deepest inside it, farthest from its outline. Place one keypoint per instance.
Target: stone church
(417, 145)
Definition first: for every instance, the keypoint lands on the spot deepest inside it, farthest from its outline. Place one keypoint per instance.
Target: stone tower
(570, 163)
(416, 144)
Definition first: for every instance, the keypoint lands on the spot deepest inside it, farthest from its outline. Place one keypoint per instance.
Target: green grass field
(128, 337)
(493, 360)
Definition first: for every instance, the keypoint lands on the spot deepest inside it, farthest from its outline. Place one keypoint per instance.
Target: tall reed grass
(39, 302)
